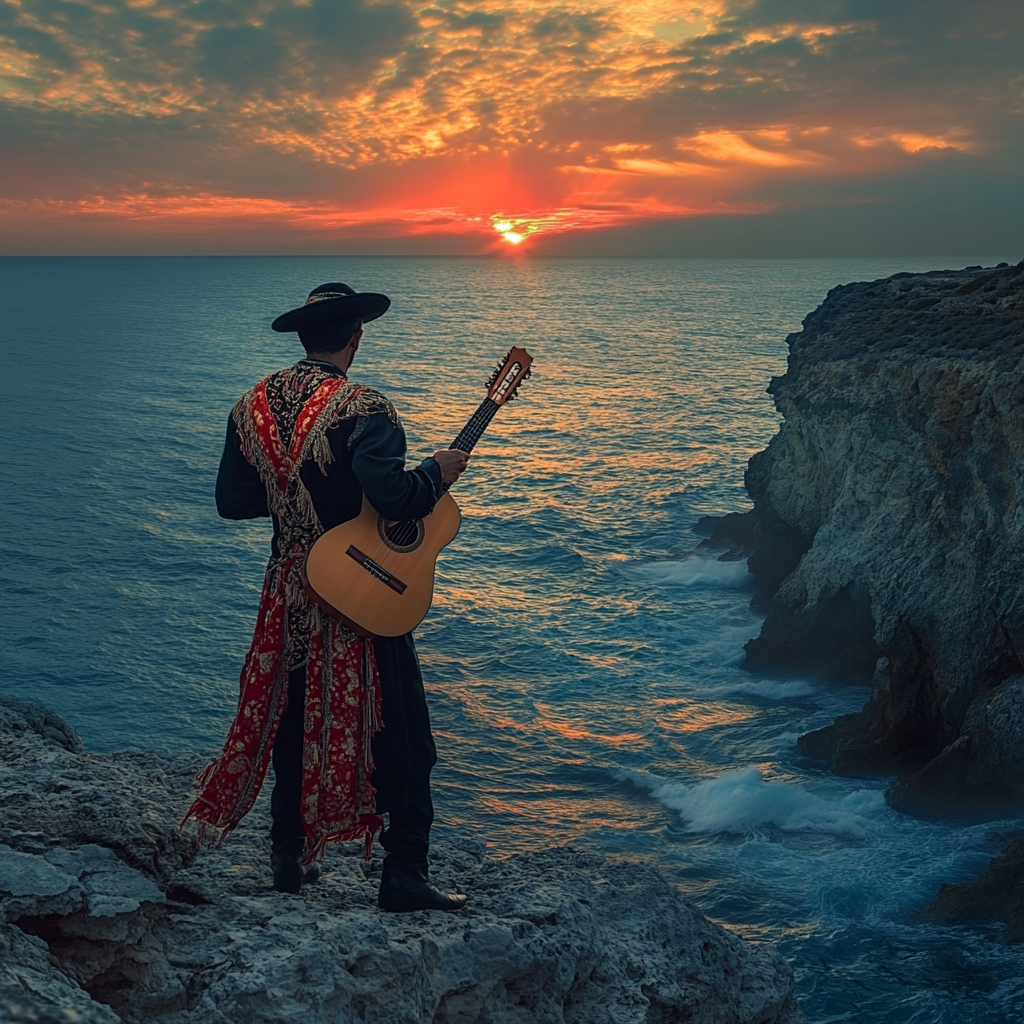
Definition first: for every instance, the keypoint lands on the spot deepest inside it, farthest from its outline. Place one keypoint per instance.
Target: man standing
(344, 717)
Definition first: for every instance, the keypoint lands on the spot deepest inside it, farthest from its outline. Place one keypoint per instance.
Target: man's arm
(378, 461)
(240, 491)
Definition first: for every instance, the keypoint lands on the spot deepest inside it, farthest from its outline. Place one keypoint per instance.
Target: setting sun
(508, 229)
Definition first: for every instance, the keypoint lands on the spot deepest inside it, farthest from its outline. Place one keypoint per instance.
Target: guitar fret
(475, 426)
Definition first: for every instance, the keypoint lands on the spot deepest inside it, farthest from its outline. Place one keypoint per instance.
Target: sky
(732, 127)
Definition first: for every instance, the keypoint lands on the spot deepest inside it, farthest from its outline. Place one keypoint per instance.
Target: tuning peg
(493, 379)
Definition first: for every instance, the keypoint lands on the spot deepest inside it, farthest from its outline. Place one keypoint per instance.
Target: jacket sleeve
(240, 492)
(378, 461)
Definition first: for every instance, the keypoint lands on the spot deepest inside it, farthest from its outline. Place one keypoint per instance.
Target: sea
(584, 666)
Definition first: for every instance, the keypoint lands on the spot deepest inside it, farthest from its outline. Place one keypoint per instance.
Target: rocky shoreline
(109, 914)
(887, 546)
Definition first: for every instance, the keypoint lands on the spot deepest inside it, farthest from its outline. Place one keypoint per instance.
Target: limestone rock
(888, 529)
(19, 716)
(59, 790)
(133, 929)
(33, 990)
(889, 521)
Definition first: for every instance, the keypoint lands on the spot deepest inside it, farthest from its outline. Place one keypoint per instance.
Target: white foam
(694, 572)
(773, 689)
(786, 741)
(739, 800)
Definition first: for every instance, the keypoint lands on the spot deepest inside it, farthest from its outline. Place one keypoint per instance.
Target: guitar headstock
(508, 375)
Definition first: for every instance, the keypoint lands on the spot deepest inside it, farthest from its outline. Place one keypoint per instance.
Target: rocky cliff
(888, 532)
(109, 914)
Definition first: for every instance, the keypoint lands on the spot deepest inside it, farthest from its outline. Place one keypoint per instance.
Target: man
(303, 447)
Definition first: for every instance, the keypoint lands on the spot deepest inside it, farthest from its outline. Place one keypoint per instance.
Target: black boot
(290, 874)
(404, 888)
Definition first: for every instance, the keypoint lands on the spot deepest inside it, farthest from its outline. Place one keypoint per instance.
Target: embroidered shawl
(282, 423)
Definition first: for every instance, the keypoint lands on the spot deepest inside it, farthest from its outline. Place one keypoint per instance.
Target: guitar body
(380, 575)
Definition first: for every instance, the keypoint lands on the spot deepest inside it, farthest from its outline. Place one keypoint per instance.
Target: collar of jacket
(322, 364)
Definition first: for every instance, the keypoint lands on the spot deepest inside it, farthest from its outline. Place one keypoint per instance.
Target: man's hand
(452, 463)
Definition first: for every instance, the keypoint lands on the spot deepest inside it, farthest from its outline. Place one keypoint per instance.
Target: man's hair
(332, 336)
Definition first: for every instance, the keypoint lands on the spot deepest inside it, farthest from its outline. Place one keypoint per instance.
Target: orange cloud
(661, 168)
(916, 142)
(725, 146)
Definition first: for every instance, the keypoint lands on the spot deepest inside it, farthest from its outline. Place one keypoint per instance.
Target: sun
(507, 229)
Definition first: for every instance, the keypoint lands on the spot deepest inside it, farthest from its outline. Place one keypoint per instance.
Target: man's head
(332, 336)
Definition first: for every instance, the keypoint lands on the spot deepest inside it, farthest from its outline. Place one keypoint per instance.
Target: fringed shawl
(282, 424)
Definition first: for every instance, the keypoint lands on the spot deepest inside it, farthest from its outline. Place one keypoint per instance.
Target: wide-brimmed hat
(333, 301)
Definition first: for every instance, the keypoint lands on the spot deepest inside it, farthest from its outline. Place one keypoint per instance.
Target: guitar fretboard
(474, 428)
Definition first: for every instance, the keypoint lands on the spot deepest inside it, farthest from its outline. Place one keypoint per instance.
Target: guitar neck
(474, 428)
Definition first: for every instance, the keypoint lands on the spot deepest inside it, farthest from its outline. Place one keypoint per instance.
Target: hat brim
(365, 305)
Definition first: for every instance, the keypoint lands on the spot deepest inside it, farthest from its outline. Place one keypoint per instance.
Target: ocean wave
(739, 800)
(693, 571)
(772, 689)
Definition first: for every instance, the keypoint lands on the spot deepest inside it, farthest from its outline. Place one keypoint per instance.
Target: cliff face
(108, 915)
(889, 531)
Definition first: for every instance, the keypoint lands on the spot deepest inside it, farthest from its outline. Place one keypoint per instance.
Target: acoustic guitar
(377, 574)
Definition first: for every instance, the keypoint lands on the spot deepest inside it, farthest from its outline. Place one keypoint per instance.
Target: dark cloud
(925, 16)
(241, 56)
(344, 32)
(909, 66)
(215, 13)
(484, 22)
(34, 41)
(864, 48)
(328, 46)
(412, 66)
(243, 45)
(568, 26)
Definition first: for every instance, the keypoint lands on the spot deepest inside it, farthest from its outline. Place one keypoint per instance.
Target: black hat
(334, 301)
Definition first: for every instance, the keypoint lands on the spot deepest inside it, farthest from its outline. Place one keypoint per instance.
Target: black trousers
(403, 755)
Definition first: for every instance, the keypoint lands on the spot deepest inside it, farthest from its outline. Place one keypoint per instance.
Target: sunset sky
(651, 126)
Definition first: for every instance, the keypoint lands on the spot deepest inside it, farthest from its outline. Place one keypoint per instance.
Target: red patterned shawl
(342, 686)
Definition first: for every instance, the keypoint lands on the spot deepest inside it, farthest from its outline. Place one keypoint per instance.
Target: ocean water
(583, 667)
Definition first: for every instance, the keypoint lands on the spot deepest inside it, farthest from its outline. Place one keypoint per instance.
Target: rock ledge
(107, 914)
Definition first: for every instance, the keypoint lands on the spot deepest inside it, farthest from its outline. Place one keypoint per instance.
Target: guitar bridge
(376, 570)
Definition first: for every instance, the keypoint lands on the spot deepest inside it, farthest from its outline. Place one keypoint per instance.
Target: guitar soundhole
(404, 535)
